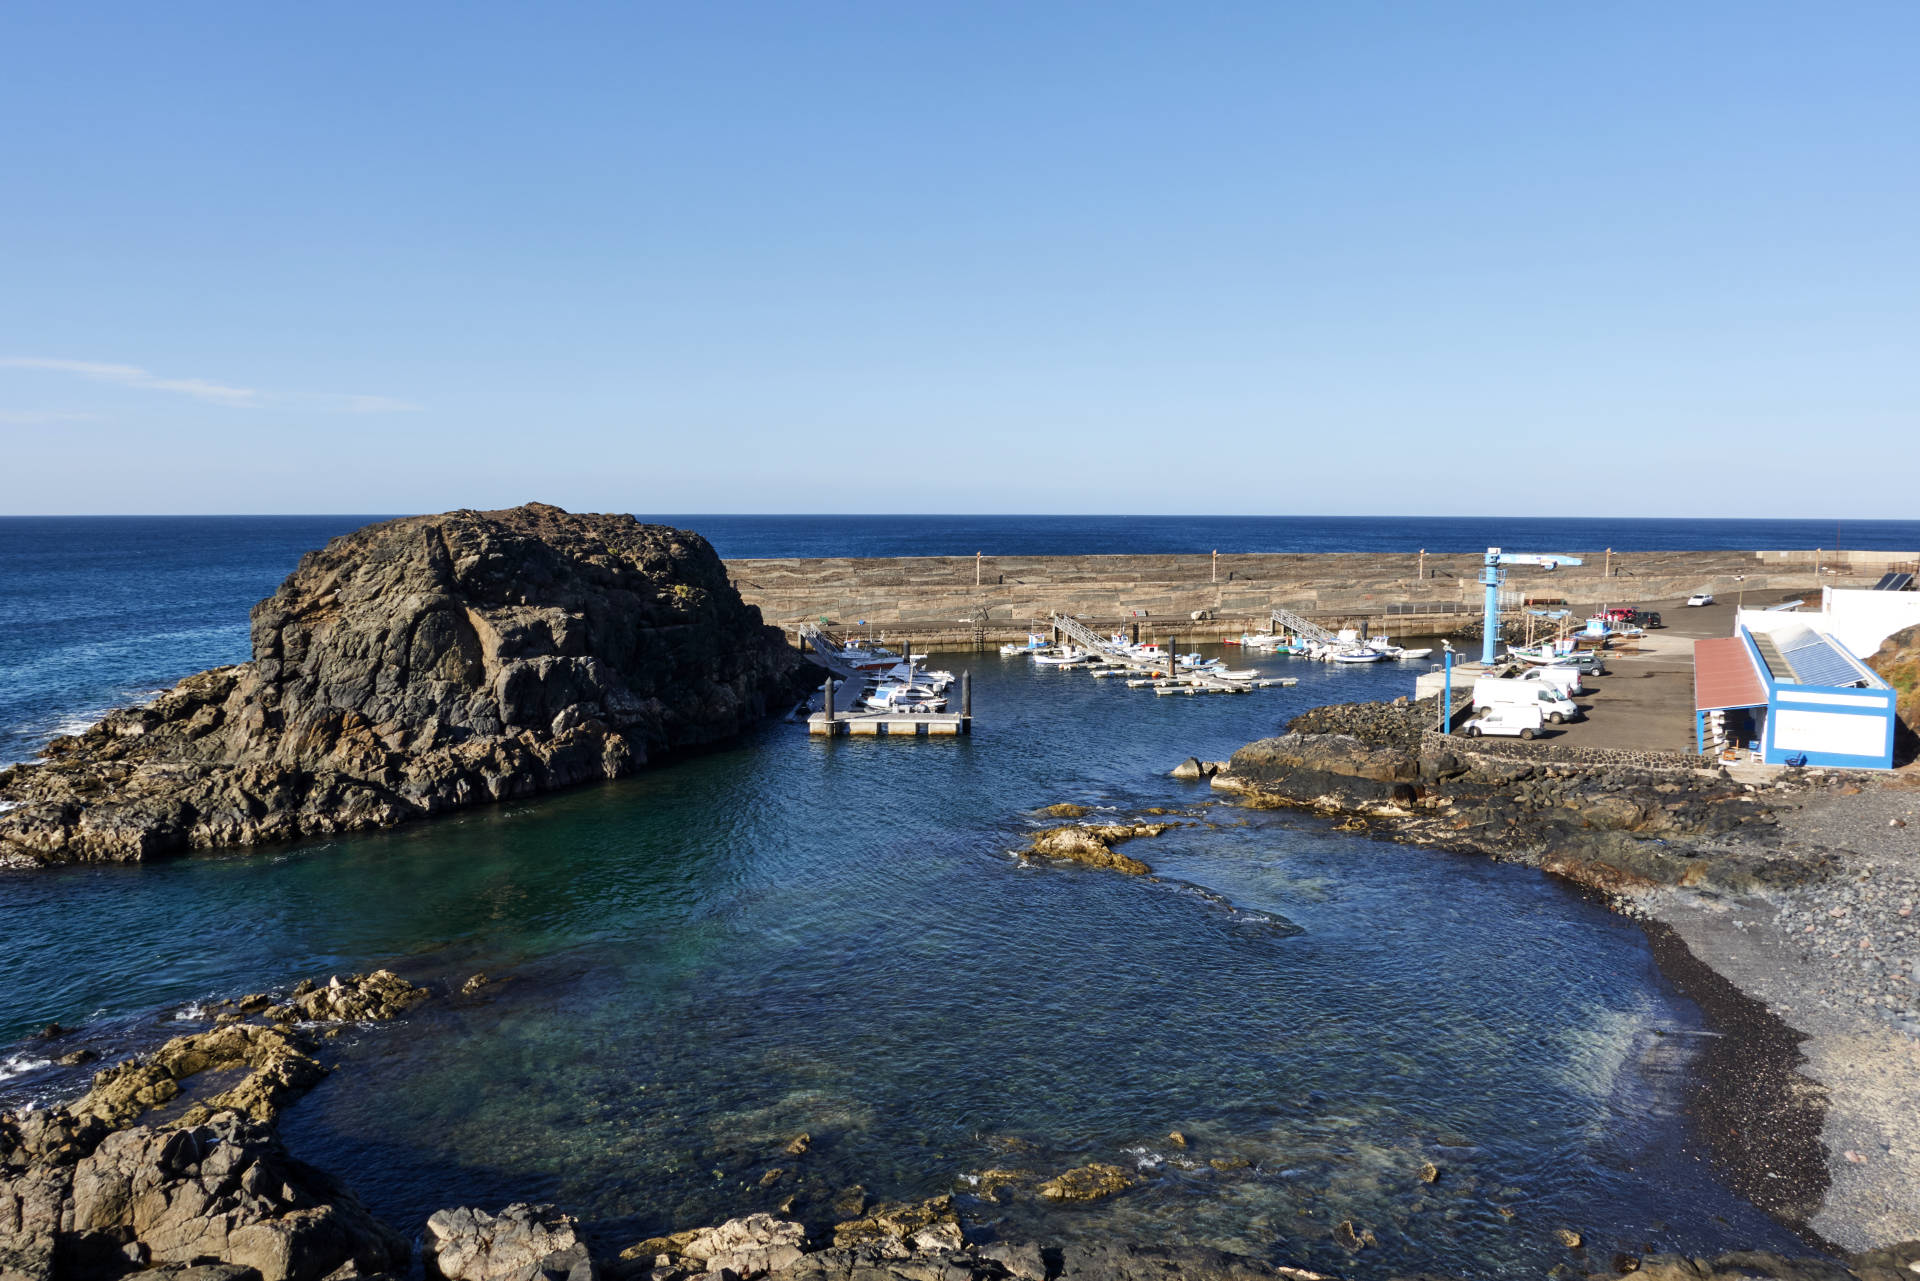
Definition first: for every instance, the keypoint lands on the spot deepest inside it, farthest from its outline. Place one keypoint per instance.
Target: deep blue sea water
(793, 934)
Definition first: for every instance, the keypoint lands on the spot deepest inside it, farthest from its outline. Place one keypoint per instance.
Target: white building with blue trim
(1792, 694)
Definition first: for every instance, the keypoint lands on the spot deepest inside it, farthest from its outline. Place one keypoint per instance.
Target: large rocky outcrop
(412, 667)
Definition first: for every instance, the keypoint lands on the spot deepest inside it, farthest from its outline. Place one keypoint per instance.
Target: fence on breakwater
(969, 601)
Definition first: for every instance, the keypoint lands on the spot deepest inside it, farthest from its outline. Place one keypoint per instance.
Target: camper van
(1495, 691)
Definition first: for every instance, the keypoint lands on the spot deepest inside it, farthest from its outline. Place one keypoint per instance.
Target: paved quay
(958, 602)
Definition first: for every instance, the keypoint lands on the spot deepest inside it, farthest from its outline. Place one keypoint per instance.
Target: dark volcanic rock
(413, 667)
(1606, 824)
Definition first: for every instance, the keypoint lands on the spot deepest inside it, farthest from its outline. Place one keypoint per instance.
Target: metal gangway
(1286, 618)
(1089, 639)
(822, 649)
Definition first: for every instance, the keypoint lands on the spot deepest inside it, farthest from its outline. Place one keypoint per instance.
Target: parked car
(1700, 598)
(1650, 619)
(1590, 663)
(1621, 615)
(1514, 720)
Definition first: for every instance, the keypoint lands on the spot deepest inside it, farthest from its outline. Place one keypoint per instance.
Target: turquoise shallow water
(833, 937)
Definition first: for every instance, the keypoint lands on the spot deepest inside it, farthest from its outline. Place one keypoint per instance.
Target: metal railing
(1299, 626)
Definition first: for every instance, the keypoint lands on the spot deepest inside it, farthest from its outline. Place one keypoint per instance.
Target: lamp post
(1742, 599)
(1446, 694)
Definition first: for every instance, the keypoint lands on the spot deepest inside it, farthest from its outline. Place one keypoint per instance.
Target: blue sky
(1251, 258)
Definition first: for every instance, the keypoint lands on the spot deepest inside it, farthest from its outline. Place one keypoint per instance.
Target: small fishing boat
(1061, 657)
(908, 674)
(1033, 644)
(1360, 655)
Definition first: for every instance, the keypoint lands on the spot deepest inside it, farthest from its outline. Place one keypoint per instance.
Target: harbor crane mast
(1493, 574)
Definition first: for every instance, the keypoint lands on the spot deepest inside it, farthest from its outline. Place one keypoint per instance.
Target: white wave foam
(20, 1065)
(193, 1012)
(8, 805)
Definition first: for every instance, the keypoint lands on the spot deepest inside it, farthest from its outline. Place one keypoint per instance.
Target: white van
(1517, 720)
(1564, 679)
(1496, 691)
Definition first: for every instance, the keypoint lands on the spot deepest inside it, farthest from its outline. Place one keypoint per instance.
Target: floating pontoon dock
(830, 720)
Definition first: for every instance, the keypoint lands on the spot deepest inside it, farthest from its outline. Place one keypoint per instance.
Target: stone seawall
(1538, 753)
(959, 601)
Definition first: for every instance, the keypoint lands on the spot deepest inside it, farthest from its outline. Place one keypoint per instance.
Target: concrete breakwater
(961, 601)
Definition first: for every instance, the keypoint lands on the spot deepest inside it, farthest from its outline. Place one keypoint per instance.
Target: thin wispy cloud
(206, 390)
(134, 376)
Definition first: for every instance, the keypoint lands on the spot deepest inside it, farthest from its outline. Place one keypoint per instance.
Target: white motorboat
(1392, 650)
(870, 658)
(908, 674)
(899, 697)
(1061, 657)
(1033, 644)
(1360, 655)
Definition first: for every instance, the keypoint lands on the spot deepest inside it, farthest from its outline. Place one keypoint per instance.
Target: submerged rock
(1093, 844)
(413, 667)
(277, 1062)
(1090, 1182)
(279, 1067)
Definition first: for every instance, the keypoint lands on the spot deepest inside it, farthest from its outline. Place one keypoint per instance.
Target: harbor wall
(962, 601)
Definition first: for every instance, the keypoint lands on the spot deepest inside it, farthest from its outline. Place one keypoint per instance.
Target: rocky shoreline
(169, 1166)
(415, 667)
(1784, 908)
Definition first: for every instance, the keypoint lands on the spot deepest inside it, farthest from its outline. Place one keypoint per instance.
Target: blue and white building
(1791, 693)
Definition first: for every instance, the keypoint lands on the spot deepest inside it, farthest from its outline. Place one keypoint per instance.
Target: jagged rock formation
(521, 1243)
(78, 1199)
(84, 1191)
(413, 667)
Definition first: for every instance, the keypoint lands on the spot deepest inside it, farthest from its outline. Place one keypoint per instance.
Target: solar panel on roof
(1815, 662)
(1894, 583)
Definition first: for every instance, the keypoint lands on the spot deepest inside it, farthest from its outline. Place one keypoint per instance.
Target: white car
(1700, 598)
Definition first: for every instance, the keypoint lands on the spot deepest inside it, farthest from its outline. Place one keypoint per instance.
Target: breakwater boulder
(412, 667)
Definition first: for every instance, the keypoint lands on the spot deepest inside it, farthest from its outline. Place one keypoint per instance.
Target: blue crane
(1492, 575)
